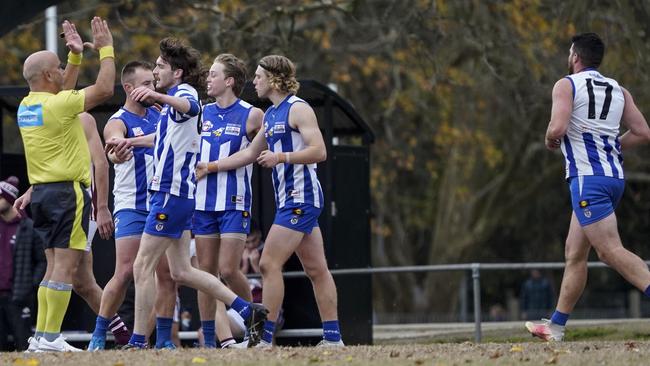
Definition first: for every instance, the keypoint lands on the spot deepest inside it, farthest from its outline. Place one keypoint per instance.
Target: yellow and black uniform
(58, 161)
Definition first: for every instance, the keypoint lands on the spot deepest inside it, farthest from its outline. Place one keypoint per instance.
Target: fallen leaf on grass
(631, 346)
(326, 353)
(198, 360)
(419, 362)
(26, 362)
(517, 348)
(119, 363)
(394, 354)
(349, 358)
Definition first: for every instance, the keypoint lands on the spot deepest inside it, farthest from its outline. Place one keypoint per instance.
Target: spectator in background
(22, 266)
(536, 296)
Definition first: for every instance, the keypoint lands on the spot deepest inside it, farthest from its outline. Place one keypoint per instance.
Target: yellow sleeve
(67, 104)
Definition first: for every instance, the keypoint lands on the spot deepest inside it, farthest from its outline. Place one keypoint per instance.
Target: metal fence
(474, 268)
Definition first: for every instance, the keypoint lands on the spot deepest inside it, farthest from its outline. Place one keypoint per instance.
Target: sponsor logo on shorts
(161, 216)
(297, 211)
(584, 203)
(245, 214)
(159, 227)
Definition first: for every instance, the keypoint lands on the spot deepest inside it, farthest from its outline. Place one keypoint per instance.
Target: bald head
(37, 63)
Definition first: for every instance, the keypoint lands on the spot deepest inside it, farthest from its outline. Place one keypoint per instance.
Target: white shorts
(236, 320)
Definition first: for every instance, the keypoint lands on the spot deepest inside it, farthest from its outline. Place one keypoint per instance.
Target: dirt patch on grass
(528, 353)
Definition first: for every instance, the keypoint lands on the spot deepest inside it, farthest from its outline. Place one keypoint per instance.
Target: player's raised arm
(75, 45)
(104, 85)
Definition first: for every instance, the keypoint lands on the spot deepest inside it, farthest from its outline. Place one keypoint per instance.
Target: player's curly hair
(179, 55)
(235, 68)
(281, 72)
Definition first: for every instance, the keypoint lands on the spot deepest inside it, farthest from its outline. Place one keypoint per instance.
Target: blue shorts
(213, 222)
(595, 197)
(169, 215)
(129, 222)
(302, 217)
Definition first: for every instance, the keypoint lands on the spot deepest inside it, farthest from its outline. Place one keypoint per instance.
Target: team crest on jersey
(279, 127)
(206, 126)
(137, 131)
(586, 212)
(159, 227)
(218, 132)
(161, 216)
(584, 203)
(232, 129)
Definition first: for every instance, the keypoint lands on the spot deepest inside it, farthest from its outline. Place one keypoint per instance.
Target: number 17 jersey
(591, 145)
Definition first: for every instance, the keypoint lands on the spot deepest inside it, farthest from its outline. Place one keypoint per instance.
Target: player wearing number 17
(587, 112)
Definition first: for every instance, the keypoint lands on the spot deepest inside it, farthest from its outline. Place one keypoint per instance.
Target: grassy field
(617, 344)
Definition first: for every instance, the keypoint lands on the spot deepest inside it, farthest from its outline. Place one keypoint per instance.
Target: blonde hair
(281, 72)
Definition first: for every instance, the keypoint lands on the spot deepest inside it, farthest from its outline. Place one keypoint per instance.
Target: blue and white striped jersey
(223, 133)
(293, 183)
(591, 145)
(177, 146)
(130, 189)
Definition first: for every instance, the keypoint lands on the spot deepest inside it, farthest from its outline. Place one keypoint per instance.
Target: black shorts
(61, 213)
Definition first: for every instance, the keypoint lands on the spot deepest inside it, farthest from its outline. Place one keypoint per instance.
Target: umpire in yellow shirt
(58, 166)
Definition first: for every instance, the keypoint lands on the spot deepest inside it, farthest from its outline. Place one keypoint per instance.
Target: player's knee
(604, 255)
(178, 275)
(229, 272)
(316, 273)
(82, 288)
(267, 267)
(124, 275)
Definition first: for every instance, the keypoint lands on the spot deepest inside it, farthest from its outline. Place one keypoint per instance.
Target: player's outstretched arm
(102, 90)
(560, 113)
(303, 118)
(234, 161)
(638, 130)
